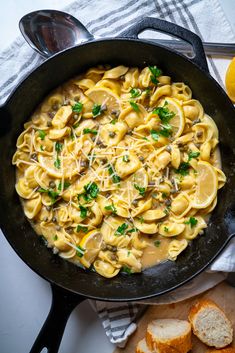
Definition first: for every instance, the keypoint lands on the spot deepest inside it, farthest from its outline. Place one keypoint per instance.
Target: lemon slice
(105, 96)
(230, 80)
(178, 121)
(67, 168)
(91, 243)
(207, 185)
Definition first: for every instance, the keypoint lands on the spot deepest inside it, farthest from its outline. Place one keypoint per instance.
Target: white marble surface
(24, 296)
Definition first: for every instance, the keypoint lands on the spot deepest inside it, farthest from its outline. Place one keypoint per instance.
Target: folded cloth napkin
(110, 18)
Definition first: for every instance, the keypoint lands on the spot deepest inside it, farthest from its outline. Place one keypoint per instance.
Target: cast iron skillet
(70, 284)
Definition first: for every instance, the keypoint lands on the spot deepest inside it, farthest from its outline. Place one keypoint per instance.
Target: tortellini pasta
(112, 169)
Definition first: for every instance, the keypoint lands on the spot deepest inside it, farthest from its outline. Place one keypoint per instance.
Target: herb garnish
(77, 108)
(192, 221)
(155, 135)
(96, 110)
(140, 189)
(164, 114)
(58, 148)
(42, 134)
(111, 208)
(83, 229)
(80, 251)
(155, 74)
(126, 158)
(90, 193)
(141, 219)
(135, 92)
(132, 230)
(192, 155)
(115, 178)
(121, 229)
(83, 212)
(41, 148)
(55, 237)
(66, 185)
(183, 168)
(90, 131)
(114, 121)
(52, 194)
(166, 229)
(127, 270)
(157, 243)
(135, 106)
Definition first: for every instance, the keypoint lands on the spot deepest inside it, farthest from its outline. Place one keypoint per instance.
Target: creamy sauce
(155, 252)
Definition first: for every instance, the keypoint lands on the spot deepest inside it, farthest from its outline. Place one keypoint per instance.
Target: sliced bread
(223, 350)
(143, 348)
(169, 336)
(210, 324)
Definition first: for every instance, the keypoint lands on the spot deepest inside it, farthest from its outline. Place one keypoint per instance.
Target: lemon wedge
(105, 96)
(230, 80)
(207, 185)
(178, 121)
(91, 244)
(68, 169)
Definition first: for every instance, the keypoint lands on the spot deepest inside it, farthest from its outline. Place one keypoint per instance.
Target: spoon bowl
(51, 31)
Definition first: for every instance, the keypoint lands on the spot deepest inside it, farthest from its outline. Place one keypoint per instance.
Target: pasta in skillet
(118, 169)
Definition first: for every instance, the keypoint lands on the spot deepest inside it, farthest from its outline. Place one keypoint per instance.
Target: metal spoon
(50, 31)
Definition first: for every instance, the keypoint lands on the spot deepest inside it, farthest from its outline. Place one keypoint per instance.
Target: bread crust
(138, 348)
(199, 306)
(182, 344)
(223, 350)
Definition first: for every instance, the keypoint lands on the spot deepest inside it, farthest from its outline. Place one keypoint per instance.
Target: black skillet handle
(63, 303)
(173, 29)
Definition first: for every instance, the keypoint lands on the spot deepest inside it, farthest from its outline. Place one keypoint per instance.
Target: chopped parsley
(135, 92)
(111, 208)
(145, 138)
(164, 195)
(80, 251)
(55, 237)
(58, 146)
(155, 135)
(192, 221)
(81, 228)
(115, 178)
(90, 131)
(83, 211)
(141, 219)
(42, 134)
(41, 148)
(77, 108)
(155, 74)
(147, 91)
(164, 114)
(91, 192)
(166, 229)
(132, 230)
(57, 163)
(76, 125)
(183, 169)
(66, 185)
(52, 194)
(96, 110)
(127, 270)
(192, 155)
(157, 243)
(140, 189)
(121, 229)
(114, 121)
(135, 106)
(126, 158)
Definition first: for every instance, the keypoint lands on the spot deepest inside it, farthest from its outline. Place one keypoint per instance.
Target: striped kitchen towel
(110, 18)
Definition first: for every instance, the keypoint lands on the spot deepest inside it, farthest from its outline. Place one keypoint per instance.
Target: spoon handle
(219, 49)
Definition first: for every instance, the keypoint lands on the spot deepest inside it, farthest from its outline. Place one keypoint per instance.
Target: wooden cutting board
(222, 294)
